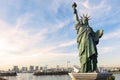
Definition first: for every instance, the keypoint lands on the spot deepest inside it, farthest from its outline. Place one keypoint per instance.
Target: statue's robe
(87, 40)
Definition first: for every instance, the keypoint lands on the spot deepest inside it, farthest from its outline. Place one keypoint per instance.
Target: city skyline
(32, 68)
(42, 32)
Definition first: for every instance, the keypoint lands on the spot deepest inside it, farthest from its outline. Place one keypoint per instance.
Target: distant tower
(41, 69)
(15, 68)
(36, 68)
(31, 68)
(57, 67)
(45, 68)
(68, 64)
(24, 69)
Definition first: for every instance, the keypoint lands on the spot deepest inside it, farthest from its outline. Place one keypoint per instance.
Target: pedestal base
(90, 76)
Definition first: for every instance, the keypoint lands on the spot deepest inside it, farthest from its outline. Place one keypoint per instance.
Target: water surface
(30, 76)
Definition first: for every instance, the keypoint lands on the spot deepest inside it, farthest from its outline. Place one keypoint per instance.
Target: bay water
(30, 76)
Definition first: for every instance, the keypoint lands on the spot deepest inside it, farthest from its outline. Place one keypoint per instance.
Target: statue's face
(84, 20)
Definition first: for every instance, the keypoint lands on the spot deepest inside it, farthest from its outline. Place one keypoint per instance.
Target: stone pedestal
(90, 76)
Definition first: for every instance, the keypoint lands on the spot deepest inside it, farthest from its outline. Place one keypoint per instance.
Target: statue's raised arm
(74, 5)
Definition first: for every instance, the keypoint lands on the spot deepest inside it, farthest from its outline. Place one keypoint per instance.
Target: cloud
(112, 35)
(69, 43)
(39, 33)
(106, 49)
(40, 59)
(19, 45)
(52, 48)
(110, 43)
(55, 5)
(23, 19)
(53, 27)
(15, 39)
(86, 7)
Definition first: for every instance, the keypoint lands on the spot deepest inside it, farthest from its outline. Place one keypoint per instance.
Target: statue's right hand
(74, 5)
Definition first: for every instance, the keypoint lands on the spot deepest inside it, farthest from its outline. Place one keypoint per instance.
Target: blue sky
(42, 32)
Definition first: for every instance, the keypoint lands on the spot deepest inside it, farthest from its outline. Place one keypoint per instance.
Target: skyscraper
(31, 68)
(15, 68)
(36, 68)
(24, 69)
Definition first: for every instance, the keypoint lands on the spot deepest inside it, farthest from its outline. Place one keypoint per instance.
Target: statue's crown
(85, 17)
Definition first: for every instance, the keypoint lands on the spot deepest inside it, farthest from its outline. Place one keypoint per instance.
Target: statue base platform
(90, 76)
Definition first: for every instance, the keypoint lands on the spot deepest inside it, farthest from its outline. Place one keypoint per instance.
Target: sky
(42, 32)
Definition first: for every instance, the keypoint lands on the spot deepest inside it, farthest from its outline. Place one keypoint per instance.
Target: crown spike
(86, 15)
(83, 15)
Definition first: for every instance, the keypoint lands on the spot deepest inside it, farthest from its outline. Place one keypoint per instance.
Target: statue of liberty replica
(87, 40)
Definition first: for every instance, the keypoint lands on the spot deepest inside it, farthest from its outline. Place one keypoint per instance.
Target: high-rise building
(57, 67)
(15, 68)
(41, 69)
(24, 69)
(36, 68)
(31, 68)
(45, 68)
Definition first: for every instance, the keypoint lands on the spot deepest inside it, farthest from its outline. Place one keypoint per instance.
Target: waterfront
(30, 76)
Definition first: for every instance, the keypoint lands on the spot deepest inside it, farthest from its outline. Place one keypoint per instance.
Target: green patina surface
(87, 40)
